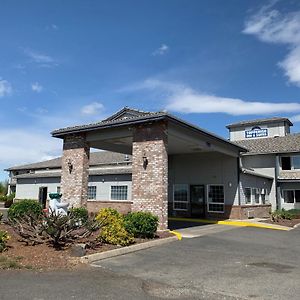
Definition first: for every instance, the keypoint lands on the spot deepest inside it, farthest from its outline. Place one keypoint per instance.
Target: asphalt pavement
(242, 263)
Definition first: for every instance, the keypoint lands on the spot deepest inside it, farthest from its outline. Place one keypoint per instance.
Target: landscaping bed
(284, 222)
(35, 246)
(289, 218)
(42, 257)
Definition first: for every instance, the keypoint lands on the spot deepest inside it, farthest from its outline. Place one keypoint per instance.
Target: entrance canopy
(116, 134)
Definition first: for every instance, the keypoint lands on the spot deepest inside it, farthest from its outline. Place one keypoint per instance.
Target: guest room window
(118, 192)
(92, 191)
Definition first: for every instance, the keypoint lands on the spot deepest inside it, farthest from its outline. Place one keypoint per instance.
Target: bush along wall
(141, 224)
(24, 208)
(113, 229)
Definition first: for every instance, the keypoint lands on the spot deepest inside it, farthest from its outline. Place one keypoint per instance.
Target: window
(180, 197)
(216, 198)
(255, 195)
(286, 163)
(92, 191)
(264, 196)
(297, 196)
(58, 190)
(291, 196)
(290, 162)
(247, 195)
(296, 162)
(118, 192)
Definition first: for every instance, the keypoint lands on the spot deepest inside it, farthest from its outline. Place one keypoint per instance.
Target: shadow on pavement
(184, 224)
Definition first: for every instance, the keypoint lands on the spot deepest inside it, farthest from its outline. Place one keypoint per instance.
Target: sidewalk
(239, 223)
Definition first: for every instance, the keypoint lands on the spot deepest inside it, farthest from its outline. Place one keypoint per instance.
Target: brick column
(150, 181)
(74, 176)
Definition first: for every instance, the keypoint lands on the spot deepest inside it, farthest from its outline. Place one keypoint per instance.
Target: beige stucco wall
(204, 169)
(263, 164)
(279, 129)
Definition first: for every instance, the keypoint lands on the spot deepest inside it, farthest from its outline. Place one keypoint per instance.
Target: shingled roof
(125, 115)
(96, 158)
(128, 116)
(259, 121)
(102, 171)
(280, 144)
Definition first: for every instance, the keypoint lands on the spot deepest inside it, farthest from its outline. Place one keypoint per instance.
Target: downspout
(277, 189)
(239, 168)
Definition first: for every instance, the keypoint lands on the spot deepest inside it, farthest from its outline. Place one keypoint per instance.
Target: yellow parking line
(179, 236)
(231, 223)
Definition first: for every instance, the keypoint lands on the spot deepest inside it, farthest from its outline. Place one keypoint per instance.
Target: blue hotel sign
(256, 132)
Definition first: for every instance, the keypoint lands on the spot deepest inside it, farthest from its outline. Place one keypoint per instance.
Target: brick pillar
(150, 183)
(74, 176)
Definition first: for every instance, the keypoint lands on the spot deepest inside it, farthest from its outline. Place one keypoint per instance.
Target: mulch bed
(284, 222)
(44, 257)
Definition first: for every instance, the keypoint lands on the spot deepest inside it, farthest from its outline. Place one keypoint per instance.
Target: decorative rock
(78, 250)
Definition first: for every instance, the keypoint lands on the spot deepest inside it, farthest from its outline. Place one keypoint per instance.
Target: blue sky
(209, 62)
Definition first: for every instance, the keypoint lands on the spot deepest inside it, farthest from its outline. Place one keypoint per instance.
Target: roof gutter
(61, 134)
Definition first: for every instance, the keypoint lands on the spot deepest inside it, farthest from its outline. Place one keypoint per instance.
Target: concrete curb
(121, 251)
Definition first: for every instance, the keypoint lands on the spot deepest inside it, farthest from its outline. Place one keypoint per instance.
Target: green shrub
(113, 228)
(141, 224)
(23, 208)
(282, 214)
(79, 214)
(7, 199)
(295, 212)
(4, 237)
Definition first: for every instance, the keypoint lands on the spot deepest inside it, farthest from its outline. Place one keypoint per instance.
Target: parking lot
(224, 263)
(239, 263)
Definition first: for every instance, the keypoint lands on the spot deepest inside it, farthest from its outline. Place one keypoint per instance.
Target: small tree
(3, 188)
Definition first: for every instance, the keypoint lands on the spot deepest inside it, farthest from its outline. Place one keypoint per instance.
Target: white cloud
(271, 26)
(20, 146)
(183, 99)
(41, 110)
(41, 59)
(5, 88)
(163, 49)
(36, 87)
(295, 118)
(92, 108)
(52, 27)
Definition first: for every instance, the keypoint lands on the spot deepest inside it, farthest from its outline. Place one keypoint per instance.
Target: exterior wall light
(145, 161)
(70, 166)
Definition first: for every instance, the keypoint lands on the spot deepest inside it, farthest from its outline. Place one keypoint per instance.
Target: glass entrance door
(197, 199)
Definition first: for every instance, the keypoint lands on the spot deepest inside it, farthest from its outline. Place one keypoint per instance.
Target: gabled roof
(126, 113)
(96, 158)
(259, 121)
(280, 144)
(124, 116)
(128, 116)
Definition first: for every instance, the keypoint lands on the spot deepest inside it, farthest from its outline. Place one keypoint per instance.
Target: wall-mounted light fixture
(70, 166)
(145, 161)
